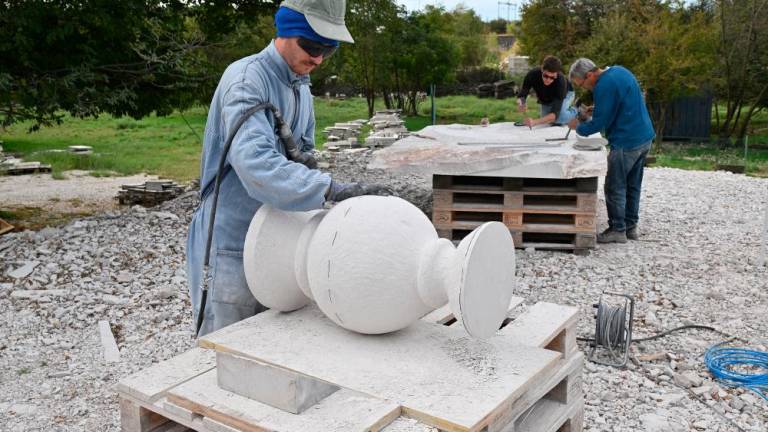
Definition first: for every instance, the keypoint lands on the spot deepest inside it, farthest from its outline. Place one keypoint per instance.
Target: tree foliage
(668, 48)
(398, 54)
(741, 78)
(130, 57)
(125, 58)
(559, 27)
(675, 48)
(498, 26)
(136, 57)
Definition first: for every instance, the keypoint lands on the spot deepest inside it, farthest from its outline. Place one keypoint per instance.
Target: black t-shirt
(546, 94)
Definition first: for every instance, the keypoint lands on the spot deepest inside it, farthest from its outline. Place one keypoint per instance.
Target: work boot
(633, 233)
(612, 236)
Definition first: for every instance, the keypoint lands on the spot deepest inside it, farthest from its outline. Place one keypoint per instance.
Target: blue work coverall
(260, 173)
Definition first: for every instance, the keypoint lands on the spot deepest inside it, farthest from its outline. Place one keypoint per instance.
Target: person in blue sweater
(620, 113)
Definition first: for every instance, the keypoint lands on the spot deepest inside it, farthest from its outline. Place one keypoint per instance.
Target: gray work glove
(340, 191)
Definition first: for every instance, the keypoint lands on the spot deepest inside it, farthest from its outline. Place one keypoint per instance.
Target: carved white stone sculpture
(375, 265)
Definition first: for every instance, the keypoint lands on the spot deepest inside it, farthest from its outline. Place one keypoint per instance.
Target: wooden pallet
(532, 382)
(25, 168)
(540, 213)
(5, 227)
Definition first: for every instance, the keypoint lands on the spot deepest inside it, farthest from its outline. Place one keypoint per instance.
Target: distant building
(505, 41)
(517, 65)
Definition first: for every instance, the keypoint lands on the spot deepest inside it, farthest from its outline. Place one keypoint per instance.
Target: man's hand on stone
(573, 123)
(529, 122)
(341, 191)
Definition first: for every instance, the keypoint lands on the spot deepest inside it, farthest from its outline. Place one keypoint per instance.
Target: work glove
(341, 191)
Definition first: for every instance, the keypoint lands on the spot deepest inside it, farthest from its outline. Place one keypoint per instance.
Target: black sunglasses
(549, 77)
(315, 49)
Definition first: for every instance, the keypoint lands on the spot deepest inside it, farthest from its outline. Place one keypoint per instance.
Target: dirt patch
(38, 200)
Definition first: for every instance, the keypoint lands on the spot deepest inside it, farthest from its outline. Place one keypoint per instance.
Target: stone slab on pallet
(499, 149)
(548, 399)
(557, 403)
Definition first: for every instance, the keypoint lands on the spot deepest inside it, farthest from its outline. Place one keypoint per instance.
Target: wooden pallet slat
(344, 410)
(476, 183)
(566, 202)
(5, 227)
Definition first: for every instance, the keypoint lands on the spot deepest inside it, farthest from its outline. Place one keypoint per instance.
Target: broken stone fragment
(24, 271)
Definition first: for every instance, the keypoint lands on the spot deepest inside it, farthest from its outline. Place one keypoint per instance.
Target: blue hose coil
(739, 367)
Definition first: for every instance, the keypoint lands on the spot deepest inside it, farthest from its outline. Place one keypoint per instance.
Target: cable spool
(613, 330)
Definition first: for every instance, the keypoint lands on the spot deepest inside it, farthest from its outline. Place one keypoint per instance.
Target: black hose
(292, 152)
(291, 149)
(665, 333)
(217, 186)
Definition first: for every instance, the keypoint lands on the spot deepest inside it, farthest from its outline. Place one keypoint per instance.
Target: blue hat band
(291, 23)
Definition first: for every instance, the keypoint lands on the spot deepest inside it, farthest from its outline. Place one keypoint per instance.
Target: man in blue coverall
(258, 171)
(619, 111)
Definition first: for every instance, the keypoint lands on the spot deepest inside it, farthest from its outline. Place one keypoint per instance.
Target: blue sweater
(619, 110)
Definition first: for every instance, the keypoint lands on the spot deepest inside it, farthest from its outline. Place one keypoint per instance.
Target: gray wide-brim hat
(326, 17)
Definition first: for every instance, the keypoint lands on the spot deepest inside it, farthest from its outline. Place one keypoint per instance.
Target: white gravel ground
(77, 192)
(698, 261)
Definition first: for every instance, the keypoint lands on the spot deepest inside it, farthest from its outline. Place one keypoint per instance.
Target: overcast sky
(487, 9)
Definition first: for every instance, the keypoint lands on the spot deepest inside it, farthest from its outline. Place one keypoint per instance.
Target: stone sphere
(363, 262)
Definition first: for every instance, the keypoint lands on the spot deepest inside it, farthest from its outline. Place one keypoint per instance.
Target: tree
(371, 23)
(669, 49)
(130, 57)
(560, 27)
(426, 57)
(125, 58)
(741, 78)
(545, 29)
(678, 56)
(498, 26)
(463, 28)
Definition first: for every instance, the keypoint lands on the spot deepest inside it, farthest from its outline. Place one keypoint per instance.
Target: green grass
(168, 147)
(471, 109)
(155, 145)
(706, 157)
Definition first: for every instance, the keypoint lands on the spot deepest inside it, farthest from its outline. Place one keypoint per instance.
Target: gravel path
(77, 192)
(697, 262)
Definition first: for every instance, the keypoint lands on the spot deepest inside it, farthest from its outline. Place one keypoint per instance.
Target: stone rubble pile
(149, 194)
(343, 135)
(388, 127)
(696, 262)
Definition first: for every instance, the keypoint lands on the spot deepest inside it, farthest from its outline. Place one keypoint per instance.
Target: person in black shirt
(553, 90)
